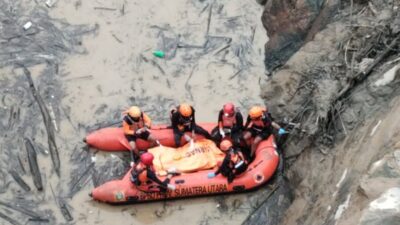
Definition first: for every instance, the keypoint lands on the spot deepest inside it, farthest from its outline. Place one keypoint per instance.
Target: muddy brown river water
(219, 58)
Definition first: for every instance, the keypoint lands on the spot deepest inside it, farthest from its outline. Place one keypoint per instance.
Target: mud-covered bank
(340, 92)
(291, 24)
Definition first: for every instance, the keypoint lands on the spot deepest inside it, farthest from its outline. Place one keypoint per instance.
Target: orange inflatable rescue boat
(190, 182)
(113, 138)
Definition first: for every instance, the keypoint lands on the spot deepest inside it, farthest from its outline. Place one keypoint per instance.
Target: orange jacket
(130, 127)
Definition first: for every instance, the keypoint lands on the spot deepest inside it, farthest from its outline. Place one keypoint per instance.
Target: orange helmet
(134, 112)
(147, 158)
(256, 112)
(185, 110)
(225, 145)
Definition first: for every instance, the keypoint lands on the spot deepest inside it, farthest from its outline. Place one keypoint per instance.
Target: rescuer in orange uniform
(230, 123)
(233, 164)
(143, 173)
(261, 124)
(183, 120)
(136, 124)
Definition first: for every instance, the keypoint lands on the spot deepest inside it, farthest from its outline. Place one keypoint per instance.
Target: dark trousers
(235, 135)
(197, 130)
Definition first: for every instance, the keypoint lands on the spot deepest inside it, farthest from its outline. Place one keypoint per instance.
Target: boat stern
(111, 192)
(108, 139)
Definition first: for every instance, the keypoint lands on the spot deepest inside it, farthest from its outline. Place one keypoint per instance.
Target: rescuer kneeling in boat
(183, 120)
(143, 173)
(136, 124)
(233, 164)
(230, 124)
(261, 126)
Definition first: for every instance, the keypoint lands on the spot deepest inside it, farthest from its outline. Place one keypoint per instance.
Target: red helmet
(229, 109)
(147, 159)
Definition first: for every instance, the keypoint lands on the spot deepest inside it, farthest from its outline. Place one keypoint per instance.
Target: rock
(388, 76)
(387, 167)
(365, 62)
(261, 2)
(349, 116)
(380, 5)
(289, 23)
(272, 210)
(395, 25)
(385, 14)
(278, 91)
(296, 146)
(373, 187)
(383, 211)
(383, 174)
(396, 155)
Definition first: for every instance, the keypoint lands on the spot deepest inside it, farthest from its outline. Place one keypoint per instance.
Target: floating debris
(159, 54)
(65, 212)
(78, 183)
(209, 18)
(9, 219)
(52, 117)
(47, 121)
(20, 209)
(33, 164)
(105, 8)
(27, 25)
(50, 3)
(19, 180)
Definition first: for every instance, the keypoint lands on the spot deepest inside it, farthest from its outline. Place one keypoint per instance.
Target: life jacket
(182, 123)
(237, 161)
(139, 174)
(228, 122)
(135, 125)
(265, 121)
